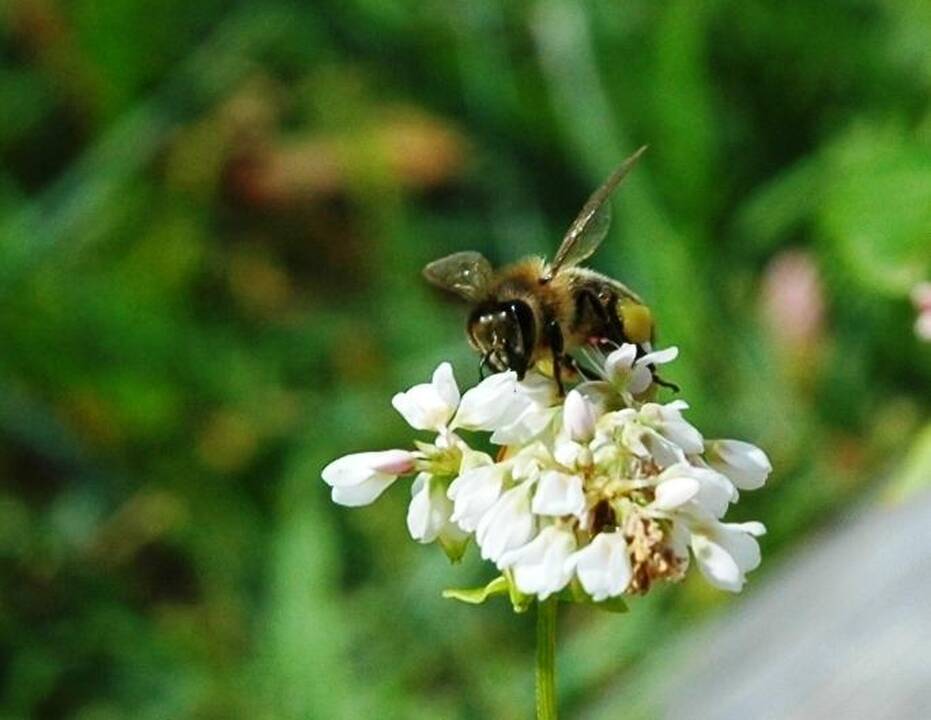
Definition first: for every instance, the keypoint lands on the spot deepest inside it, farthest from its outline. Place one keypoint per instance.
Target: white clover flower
(602, 566)
(579, 417)
(540, 567)
(627, 430)
(713, 492)
(628, 373)
(746, 465)
(508, 524)
(430, 406)
(474, 492)
(360, 478)
(602, 493)
(667, 420)
(491, 402)
(429, 513)
(726, 552)
(530, 414)
(558, 494)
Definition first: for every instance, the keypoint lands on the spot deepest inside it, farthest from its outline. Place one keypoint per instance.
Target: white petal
(746, 465)
(526, 464)
(360, 478)
(684, 435)
(668, 421)
(539, 388)
(526, 427)
(632, 437)
(423, 406)
(558, 494)
(508, 525)
(660, 357)
(640, 380)
(755, 528)
(491, 403)
(725, 552)
(619, 362)
(393, 462)
(363, 493)
(579, 417)
(429, 510)
(610, 422)
(474, 492)
(567, 453)
(672, 493)
(717, 492)
(741, 544)
(348, 470)
(445, 384)
(665, 453)
(602, 566)
(716, 564)
(472, 459)
(539, 568)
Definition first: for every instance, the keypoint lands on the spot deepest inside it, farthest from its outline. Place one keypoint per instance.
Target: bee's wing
(467, 274)
(591, 226)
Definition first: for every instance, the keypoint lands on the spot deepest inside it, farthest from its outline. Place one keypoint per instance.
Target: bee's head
(504, 332)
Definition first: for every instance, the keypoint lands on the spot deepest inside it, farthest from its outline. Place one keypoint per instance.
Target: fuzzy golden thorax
(581, 303)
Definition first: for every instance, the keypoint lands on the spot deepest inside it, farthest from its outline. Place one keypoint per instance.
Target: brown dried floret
(651, 556)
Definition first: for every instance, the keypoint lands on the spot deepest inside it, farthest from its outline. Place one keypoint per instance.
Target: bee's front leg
(483, 365)
(557, 346)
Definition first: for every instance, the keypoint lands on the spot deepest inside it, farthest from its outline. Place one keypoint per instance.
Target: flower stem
(546, 659)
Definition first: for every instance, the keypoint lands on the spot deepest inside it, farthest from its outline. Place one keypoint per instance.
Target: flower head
(602, 493)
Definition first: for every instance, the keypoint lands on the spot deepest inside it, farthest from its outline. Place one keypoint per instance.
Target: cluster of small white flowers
(602, 492)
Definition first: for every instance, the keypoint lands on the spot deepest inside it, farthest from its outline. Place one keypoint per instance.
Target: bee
(534, 313)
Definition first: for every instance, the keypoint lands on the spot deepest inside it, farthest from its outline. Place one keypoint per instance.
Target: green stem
(546, 659)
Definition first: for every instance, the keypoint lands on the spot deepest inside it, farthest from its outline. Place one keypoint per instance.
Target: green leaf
(476, 596)
(519, 601)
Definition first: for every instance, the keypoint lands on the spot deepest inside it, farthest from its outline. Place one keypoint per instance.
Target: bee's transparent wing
(467, 274)
(591, 226)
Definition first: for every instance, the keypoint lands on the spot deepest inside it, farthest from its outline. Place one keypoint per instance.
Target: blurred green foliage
(212, 221)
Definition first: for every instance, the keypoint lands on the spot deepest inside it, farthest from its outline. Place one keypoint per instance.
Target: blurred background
(213, 217)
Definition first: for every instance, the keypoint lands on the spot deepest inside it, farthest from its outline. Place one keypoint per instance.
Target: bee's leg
(573, 364)
(609, 307)
(663, 383)
(554, 335)
(483, 365)
(601, 306)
